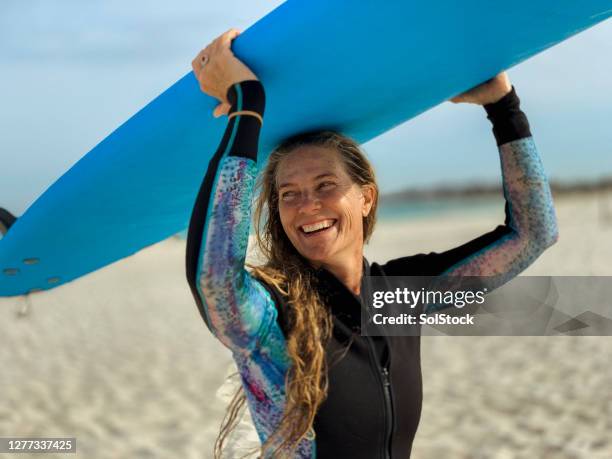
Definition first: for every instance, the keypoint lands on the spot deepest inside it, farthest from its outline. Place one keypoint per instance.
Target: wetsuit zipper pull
(385, 373)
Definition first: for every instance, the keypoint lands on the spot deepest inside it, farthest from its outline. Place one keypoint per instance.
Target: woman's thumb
(221, 109)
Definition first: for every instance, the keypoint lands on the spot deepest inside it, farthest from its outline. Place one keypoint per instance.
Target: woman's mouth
(317, 228)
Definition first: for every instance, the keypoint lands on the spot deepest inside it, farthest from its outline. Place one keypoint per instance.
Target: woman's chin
(317, 250)
(317, 256)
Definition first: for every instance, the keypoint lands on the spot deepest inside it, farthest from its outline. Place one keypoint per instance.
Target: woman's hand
(488, 92)
(216, 69)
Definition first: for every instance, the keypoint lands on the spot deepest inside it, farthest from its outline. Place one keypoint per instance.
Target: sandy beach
(121, 360)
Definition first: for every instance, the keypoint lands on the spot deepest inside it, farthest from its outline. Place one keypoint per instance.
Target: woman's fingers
(488, 92)
(503, 76)
(224, 41)
(195, 66)
(199, 61)
(228, 36)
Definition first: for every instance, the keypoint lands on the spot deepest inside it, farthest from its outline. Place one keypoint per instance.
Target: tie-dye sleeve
(236, 308)
(531, 224)
(530, 214)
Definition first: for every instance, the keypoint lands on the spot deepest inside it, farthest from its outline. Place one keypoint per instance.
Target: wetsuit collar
(344, 304)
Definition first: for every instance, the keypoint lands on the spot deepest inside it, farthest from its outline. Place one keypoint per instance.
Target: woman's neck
(348, 270)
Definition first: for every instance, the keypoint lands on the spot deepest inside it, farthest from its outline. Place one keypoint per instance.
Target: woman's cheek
(284, 224)
(348, 221)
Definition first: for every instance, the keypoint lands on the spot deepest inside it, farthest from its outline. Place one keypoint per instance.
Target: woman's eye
(287, 195)
(327, 185)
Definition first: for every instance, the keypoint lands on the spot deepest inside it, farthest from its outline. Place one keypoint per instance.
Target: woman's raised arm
(236, 308)
(530, 225)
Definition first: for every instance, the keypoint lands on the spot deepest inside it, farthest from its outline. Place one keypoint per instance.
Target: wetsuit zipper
(388, 401)
(383, 374)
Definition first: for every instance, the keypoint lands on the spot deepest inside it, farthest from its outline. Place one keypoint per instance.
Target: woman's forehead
(309, 162)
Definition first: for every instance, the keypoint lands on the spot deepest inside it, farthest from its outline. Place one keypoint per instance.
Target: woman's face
(321, 208)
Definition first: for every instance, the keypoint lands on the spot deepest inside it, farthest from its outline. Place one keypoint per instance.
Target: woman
(313, 384)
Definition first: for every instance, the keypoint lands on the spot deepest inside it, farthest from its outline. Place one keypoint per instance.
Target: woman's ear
(369, 193)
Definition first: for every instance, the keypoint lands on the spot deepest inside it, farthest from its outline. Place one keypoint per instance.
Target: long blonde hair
(309, 321)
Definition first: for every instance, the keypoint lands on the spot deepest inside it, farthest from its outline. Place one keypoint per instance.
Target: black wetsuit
(375, 390)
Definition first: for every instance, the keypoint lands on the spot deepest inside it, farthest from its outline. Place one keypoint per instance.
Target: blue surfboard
(359, 67)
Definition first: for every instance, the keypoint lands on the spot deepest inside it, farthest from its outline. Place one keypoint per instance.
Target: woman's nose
(308, 203)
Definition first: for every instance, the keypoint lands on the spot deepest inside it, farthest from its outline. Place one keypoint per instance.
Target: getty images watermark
(411, 299)
(487, 306)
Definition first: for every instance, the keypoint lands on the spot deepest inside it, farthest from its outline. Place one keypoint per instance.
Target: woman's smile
(322, 227)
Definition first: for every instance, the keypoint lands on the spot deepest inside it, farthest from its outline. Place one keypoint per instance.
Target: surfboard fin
(6, 220)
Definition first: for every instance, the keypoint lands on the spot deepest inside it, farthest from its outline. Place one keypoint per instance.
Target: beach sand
(121, 360)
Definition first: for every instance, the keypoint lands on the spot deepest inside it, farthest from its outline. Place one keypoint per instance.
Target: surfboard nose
(6, 220)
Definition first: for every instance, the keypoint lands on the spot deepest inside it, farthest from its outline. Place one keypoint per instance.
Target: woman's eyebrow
(320, 176)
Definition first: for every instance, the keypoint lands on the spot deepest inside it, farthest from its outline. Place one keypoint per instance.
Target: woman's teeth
(317, 226)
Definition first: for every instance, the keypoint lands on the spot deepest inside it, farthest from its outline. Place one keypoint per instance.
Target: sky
(72, 71)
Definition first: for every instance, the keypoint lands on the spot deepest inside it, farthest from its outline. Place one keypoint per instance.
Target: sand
(121, 360)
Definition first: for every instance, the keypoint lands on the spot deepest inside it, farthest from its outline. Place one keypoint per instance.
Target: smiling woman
(314, 384)
(327, 198)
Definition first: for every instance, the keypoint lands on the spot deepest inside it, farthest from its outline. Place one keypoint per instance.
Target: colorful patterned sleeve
(530, 226)
(236, 308)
